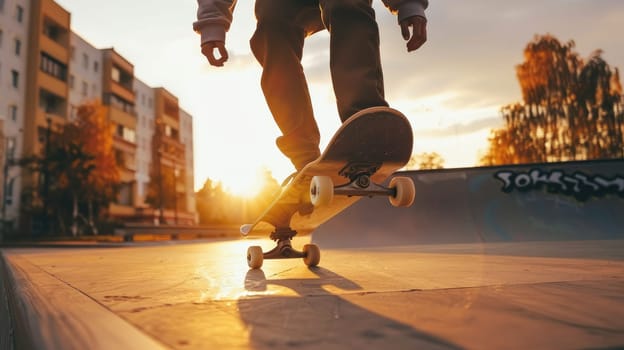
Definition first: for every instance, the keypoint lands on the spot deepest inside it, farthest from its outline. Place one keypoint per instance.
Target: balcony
(53, 85)
(54, 39)
(55, 32)
(121, 111)
(53, 67)
(172, 150)
(52, 104)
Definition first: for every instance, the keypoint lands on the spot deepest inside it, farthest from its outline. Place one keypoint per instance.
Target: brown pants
(355, 65)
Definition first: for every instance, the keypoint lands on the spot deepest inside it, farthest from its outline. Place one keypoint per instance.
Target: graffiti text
(578, 184)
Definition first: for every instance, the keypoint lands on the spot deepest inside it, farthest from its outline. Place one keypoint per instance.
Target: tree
(94, 132)
(571, 109)
(216, 206)
(425, 161)
(81, 170)
(210, 202)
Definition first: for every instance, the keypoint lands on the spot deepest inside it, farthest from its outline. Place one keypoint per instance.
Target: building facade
(46, 72)
(14, 34)
(85, 76)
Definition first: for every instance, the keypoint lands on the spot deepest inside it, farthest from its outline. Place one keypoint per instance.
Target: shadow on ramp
(316, 318)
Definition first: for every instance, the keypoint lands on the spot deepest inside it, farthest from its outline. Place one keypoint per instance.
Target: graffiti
(578, 184)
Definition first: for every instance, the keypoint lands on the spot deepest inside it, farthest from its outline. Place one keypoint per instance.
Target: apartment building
(145, 130)
(186, 137)
(119, 100)
(169, 153)
(85, 76)
(14, 30)
(46, 71)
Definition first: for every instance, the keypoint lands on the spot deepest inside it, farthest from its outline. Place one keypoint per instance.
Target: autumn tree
(425, 160)
(571, 109)
(81, 171)
(94, 132)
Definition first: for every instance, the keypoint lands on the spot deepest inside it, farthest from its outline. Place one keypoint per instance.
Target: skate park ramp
(538, 202)
(546, 272)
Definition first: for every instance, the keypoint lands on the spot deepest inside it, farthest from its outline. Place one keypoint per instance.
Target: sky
(451, 89)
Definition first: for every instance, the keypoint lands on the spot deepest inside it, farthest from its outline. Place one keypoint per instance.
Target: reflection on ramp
(539, 202)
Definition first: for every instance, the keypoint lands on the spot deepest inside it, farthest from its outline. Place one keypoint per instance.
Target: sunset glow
(451, 89)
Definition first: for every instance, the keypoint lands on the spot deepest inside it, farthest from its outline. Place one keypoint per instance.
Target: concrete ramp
(541, 202)
(559, 289)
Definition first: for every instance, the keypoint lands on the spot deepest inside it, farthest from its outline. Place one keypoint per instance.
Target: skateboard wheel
(405, 191)
(254, 257)
(312, 255)
(321, 190)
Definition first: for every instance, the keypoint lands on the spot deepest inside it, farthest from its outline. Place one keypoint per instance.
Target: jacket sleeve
(407, 8)
(213, 19)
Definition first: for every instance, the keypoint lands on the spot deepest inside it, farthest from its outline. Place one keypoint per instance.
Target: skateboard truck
(400, 191)
(363, 186)
(283, 250)
(360, 183)
(354, 170)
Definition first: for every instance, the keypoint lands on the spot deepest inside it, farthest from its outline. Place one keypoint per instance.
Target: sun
(245, 185)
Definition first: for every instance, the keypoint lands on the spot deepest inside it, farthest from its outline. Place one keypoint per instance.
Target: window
(52, 103)
(96, 66)
(1, 5)
(1, 35)
(9, 192)
(10, 150)
(54, 31)
(53, 67)
(126, 133)
(19, 14)
(85, 61)
(115, 74)
(121, 77)
(13, 112)
(72, 53)
(119, 103)
(71, 81)
(18, 47)
(15, 78)
(85, 89)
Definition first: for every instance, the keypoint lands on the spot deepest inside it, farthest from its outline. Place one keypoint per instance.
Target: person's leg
(354, 55)
(278, 46)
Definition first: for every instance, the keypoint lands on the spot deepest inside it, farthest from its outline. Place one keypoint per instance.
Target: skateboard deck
(363, 153)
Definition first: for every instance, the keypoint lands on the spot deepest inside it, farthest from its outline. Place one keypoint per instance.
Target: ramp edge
(47, 313)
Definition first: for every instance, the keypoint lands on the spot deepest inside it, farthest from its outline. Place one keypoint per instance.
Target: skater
(277, 44)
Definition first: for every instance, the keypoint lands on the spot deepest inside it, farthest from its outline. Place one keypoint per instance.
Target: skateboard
(365, 151)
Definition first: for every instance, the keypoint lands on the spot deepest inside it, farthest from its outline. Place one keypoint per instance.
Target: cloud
(461, 128)
(474, 46)
(453, 86)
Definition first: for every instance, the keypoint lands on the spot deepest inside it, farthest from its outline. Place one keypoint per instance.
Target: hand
(208, 49)
(418, 35)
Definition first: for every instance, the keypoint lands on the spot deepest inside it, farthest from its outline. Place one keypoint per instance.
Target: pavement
(441, 275)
